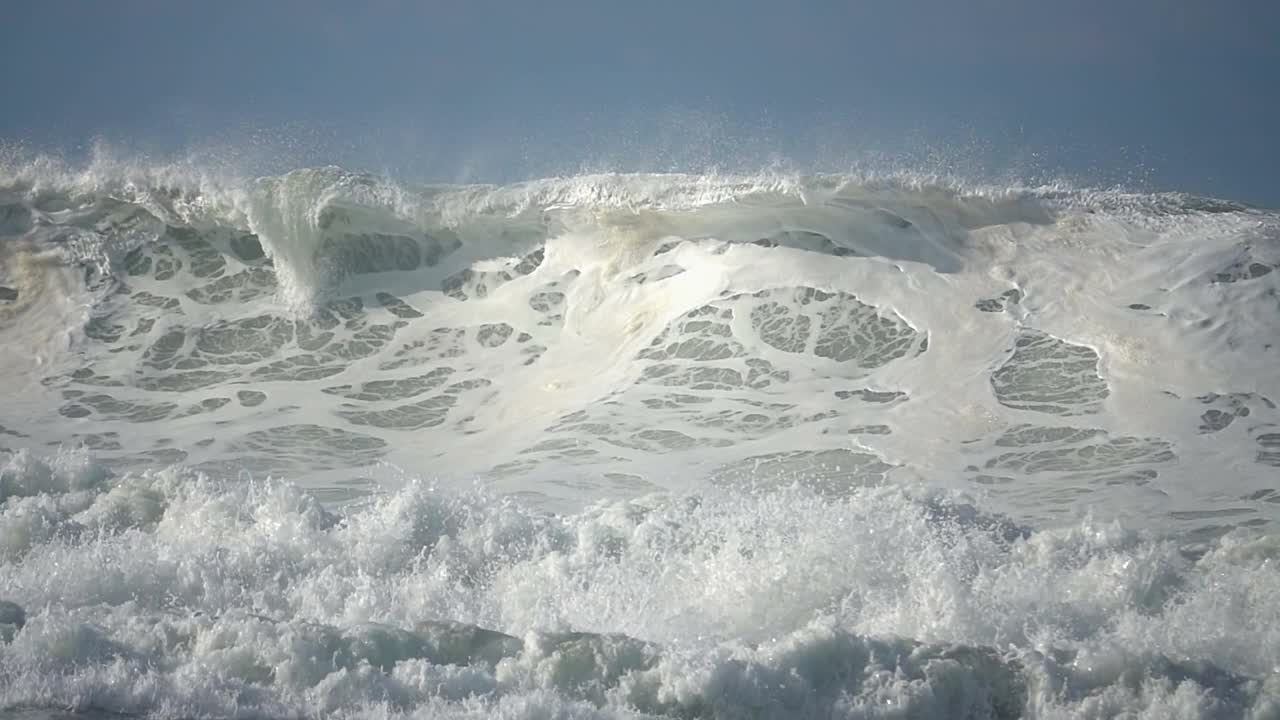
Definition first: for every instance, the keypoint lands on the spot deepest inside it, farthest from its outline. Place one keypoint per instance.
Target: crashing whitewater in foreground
(693, 447)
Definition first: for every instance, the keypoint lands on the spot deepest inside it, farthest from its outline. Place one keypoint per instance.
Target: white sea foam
(756, 446)
(167, 592)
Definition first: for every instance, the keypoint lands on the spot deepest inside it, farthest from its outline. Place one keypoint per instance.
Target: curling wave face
(723, 429)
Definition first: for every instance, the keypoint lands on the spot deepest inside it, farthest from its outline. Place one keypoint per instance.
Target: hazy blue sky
(1173, 94)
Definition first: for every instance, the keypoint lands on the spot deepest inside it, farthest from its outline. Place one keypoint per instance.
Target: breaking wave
(170, 593)
(694, 446)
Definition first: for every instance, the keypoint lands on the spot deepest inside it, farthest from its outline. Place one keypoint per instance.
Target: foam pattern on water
(1047, 375)
(719, 426)
(173, 595)
(321, 322)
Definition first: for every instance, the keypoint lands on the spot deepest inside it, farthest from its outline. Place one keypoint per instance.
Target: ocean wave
(322, 225)
(168, 593)
(802, 323)
(700, 446)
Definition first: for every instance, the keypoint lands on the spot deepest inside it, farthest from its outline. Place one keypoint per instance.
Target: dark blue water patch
(1012, 296)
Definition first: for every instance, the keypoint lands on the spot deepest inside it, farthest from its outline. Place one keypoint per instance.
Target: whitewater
(876, 445)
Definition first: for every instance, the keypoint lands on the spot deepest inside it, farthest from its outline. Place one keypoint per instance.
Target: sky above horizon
(1143, 93)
